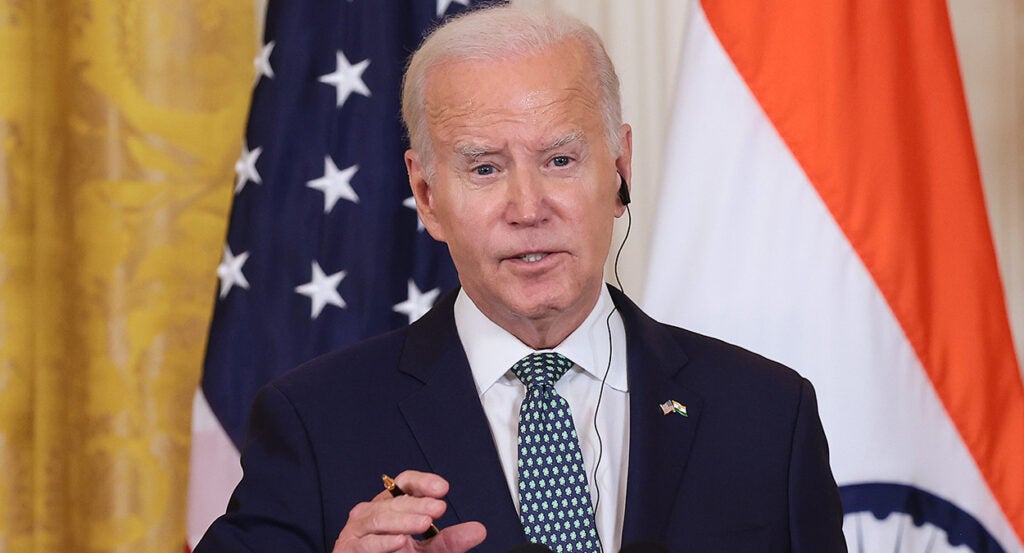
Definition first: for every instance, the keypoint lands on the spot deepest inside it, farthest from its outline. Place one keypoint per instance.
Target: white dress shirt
(492, 351)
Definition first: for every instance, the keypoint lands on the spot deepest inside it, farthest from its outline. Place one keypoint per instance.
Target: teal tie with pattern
(554, 499)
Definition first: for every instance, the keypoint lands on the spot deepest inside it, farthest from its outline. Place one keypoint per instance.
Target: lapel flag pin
(673, 406)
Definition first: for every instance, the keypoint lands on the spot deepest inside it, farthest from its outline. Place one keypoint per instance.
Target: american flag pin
(673, 406)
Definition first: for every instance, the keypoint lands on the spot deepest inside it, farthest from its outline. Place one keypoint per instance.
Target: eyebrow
(573, 137)
(472, 151)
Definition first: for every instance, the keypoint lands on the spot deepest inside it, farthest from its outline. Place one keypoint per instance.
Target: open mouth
(533, 257)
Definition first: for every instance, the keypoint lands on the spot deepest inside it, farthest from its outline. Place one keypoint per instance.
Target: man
(520, 163)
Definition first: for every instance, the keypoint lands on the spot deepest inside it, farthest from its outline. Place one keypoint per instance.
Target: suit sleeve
(277, 505)
(815, 512)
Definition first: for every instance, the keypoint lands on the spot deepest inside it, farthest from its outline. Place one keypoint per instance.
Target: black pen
(395, 491)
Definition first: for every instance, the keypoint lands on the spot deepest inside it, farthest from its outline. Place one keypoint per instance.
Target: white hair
(503, 32)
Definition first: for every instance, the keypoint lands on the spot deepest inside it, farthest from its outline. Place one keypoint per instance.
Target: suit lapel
(450, 427)
(659, 444)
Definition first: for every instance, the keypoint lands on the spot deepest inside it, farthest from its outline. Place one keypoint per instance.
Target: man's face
(524, 186)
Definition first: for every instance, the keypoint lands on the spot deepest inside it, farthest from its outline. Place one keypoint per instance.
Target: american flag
(324, 247)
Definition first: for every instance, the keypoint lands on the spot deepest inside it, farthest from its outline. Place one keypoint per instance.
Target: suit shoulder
(713, 359)
(367, 363)
(708, 362)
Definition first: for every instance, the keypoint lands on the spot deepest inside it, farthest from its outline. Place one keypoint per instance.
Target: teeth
(533, 257)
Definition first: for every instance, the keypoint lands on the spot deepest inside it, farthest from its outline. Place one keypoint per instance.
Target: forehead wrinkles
(570, 111)
(454, 112)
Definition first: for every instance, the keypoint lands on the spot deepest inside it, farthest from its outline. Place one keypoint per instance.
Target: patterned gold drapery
(120, 121)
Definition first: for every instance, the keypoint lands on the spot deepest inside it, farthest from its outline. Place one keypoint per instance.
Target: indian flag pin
(673, 406)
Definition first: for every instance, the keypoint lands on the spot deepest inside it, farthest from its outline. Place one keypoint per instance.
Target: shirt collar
(492, 350)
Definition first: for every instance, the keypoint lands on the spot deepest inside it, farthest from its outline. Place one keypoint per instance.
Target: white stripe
(214, 470)
(744, 249)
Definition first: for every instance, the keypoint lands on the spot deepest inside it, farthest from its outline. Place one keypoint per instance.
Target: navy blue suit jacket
(746, 470)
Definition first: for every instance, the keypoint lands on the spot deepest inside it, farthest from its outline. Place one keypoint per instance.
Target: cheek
(600, 211)
(600, 228)
(449, 213)
(467, 237)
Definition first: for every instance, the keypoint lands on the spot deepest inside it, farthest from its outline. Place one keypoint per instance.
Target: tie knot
(541, 369)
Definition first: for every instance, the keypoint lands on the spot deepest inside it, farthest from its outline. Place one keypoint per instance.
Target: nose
(526, 199)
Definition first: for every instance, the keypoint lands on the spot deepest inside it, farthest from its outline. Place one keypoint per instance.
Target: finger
(428, 506)
(371, 544)
(399, 515)
(456, 539)
(422, 484)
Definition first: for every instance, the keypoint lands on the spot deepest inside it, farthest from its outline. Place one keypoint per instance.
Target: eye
(484, 170)
(561, 161)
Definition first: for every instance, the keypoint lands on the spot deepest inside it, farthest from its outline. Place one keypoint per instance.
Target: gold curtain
(120, 121)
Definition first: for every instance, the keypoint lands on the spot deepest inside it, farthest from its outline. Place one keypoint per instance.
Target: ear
(423, 193)
(624, 164)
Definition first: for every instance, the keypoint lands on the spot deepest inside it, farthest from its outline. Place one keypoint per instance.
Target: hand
(386, 524)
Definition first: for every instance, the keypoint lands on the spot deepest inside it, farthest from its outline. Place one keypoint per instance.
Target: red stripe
(868, 98)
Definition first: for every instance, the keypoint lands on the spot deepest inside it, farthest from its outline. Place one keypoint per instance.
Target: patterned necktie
(554, 499)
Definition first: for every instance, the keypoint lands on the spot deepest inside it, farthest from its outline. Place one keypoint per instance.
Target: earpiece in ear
(623, 190)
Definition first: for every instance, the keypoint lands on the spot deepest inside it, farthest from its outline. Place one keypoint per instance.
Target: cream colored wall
(643, 38)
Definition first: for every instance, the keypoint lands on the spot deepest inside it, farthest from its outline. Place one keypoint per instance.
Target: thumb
(456, 539)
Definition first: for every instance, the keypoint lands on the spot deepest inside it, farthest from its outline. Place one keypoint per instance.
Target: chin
(539, 304)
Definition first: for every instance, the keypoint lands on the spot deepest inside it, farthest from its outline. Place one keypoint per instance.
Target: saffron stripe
(868, 98)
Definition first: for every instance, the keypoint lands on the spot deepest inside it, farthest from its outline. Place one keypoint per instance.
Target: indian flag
(822, 205)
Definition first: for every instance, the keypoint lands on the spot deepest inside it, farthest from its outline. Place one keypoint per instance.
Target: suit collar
(659, 444)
